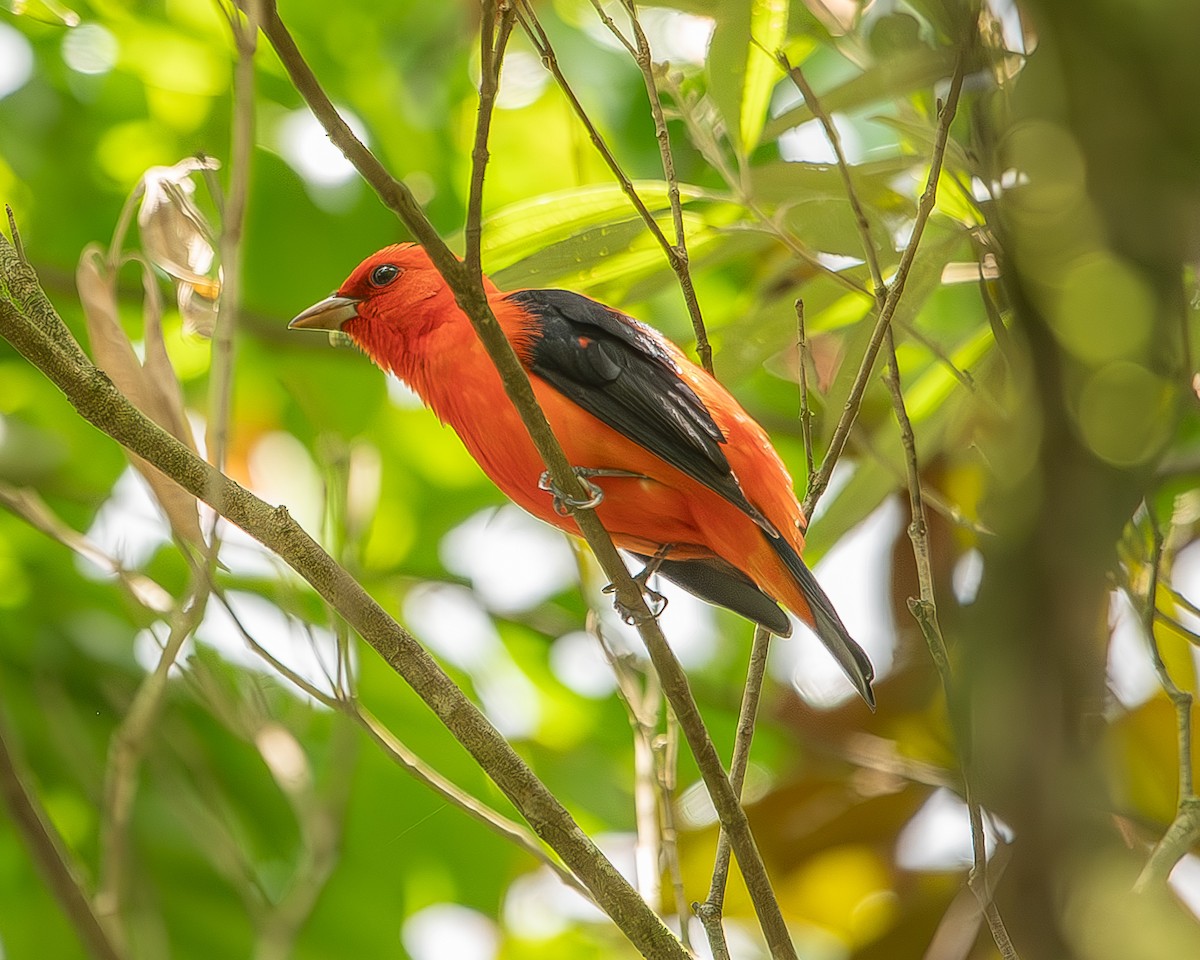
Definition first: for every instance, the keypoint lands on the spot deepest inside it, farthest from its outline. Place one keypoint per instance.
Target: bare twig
(126, 749)
(710, 911)
(711, 151)
(835, 141)
(50, 855)
(1185, 828)
(491, 56)
(677, 255)
(924, 610)
(806, 414)
(894, 291)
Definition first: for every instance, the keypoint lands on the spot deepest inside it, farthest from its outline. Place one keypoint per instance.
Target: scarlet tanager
(690, 483)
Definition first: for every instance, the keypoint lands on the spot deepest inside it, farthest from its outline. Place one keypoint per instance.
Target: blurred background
(250, 792)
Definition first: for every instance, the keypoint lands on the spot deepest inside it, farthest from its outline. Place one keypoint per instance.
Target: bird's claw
(655, 601)
(565, 504)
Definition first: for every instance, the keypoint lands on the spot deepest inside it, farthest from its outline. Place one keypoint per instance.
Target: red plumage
(709, 487)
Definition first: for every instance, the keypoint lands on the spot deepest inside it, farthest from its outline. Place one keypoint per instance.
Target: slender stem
(126, 749)
(676, 254)
(895, 290)
(710, 911)
(806, 414)
(924, 611)
(491, 56)
(49, 854)
(835, 141)
(1185, 828)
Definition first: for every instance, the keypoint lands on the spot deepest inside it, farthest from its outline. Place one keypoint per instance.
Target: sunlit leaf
(768, 29)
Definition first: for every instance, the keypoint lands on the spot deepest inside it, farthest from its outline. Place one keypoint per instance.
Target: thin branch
(895, 290)
(408, 761)
(676, 254)
(806, 414)
(710, 911)
(126, 749)
(491, 56)
(711, 152)
(924, 610)
(1185, 828)
(49, 853)
(835, 141)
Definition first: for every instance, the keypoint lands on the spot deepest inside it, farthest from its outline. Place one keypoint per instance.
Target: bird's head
(384, 288)
(386, 305)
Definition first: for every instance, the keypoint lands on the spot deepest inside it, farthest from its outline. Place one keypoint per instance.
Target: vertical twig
(1185, 828)
(924, 610)
(491, 57)
(835, 141)
(233, 216)
(676, 252)
(50, 856)
(126, 749)
(710, 911)
(806, 415)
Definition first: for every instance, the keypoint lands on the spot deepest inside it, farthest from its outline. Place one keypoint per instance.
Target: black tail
(828, 625)
(718, 582)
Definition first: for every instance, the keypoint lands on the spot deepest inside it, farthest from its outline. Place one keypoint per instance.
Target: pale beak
(329, 314)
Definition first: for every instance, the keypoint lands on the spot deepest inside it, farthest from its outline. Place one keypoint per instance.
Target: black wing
(616, 370)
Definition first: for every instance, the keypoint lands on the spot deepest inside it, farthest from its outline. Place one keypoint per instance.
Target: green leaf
(888, 79)
(521, 230)
(768, 30)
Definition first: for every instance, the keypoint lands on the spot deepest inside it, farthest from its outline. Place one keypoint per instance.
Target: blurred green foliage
(231, 853)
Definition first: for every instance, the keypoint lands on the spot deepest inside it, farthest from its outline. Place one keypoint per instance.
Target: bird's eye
(384, 274)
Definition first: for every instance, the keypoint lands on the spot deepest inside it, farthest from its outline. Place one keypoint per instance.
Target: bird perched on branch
(681, 476)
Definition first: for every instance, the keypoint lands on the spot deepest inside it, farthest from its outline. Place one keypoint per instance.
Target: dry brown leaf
(114, 355)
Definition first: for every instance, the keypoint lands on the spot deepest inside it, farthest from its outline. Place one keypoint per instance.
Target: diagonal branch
(48, 852)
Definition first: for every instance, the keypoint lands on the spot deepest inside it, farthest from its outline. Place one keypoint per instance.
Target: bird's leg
(654, 600)
(564, 503)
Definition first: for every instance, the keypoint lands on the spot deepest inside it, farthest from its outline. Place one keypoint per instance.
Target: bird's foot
(655, 601)
(565, 503)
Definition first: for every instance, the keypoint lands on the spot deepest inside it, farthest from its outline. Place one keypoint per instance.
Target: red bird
(690, 482)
